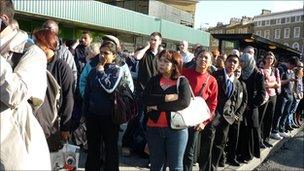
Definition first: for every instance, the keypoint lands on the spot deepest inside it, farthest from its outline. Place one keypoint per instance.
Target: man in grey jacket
(62, 50)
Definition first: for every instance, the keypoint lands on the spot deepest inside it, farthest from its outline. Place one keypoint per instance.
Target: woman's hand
(150, 108)
(100, 67)
(200, 127)
(171, 97)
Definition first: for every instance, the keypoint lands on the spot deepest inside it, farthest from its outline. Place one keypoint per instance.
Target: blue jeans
(167, 147)
(281, 113)
(294, 106)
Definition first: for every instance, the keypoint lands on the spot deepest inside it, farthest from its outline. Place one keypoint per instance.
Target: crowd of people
(250, 101)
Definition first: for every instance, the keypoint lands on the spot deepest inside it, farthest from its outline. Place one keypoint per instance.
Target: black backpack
(125, 107)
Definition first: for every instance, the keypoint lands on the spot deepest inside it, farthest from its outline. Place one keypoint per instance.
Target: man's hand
(147, 45)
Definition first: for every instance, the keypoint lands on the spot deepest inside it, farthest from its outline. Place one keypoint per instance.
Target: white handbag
(197, 111)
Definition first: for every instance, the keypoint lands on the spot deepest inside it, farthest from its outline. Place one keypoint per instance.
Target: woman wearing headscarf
(249, 131)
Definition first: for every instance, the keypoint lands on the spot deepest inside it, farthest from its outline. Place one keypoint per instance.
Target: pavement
(135, 163)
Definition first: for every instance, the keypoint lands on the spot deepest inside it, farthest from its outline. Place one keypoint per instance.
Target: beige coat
(23, 144)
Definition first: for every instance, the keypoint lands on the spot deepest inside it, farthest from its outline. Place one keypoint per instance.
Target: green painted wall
(96, 15)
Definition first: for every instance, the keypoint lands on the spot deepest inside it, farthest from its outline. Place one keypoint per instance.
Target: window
(298, 18)
(258, 32)
(277, 33)
(267, 34)
(287, 19)
(245, 30)
(221, 31)
(283, 20)
(292, 19)
(240, 30)
(279, 21)
(286, 44)
(296, 32)
(286, 32)
(267, 23)
(263, 23)
(296, 45)
(273, 22)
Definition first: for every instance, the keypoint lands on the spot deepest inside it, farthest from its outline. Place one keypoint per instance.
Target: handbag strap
(177, 86)
(204, 86)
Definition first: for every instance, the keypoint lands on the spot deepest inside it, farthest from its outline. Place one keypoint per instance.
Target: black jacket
(154, 95)
(146, 70)
(256, 93)
(227, 106)
(64, 76)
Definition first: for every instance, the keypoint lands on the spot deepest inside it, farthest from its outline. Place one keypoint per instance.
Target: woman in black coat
(249, 130)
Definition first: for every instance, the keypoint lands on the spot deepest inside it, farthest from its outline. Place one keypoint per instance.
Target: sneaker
(283, 134)
(275, 136)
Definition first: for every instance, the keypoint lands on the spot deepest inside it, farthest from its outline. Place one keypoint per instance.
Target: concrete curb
(265, 153)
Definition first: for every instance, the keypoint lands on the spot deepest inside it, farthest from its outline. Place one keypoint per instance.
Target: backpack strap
(16, 58)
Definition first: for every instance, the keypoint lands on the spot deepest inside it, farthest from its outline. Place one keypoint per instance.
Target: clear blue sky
(208, 13)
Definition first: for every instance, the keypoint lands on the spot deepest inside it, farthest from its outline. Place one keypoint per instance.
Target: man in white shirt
(187, 56)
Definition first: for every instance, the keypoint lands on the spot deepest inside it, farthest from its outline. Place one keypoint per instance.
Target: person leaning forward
(22, 79)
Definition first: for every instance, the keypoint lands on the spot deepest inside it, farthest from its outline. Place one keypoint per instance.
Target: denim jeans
(167, 147)
(294, 106)
(281, 113)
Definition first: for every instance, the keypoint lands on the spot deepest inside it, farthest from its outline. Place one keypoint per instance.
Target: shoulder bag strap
(177, 86)
(204, 86)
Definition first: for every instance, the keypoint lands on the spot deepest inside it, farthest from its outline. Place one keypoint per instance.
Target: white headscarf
(249, 65)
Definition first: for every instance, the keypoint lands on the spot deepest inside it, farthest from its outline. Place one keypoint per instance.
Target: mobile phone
(3, 25)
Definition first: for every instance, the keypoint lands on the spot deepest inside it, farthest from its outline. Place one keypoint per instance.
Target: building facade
(285, 27)
(236, 26)
(177, 11)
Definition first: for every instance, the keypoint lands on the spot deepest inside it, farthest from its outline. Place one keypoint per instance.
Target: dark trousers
(266, 122)
(101, 129)
(190, 152)
(248, 146)
(281, 112)
(233, 135)
(207, 138)
(219, 144)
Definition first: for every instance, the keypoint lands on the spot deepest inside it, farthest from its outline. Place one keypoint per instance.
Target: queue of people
(249, 102)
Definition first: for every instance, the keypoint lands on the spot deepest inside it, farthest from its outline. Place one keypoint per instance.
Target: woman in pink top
(272, 85)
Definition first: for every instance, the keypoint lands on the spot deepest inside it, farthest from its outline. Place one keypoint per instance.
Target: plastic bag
(66, 158)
